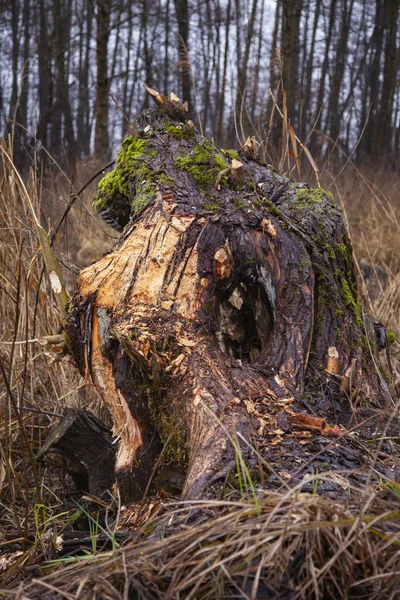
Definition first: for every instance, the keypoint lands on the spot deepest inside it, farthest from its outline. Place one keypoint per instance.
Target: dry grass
(289, 545)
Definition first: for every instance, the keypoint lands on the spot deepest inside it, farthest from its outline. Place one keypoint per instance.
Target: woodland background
(60, 63)
(61, 59)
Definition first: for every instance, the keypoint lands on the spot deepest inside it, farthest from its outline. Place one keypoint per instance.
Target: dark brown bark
(212, 320)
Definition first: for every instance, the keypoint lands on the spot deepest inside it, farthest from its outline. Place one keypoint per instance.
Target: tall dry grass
(291, 541)
(34, 393)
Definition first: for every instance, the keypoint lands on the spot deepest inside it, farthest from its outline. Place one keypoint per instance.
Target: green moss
(368, 343)
(326, 246)
(203, 164)
(232, 154)
(307, 197)
(221, 162)
(179, 132)
(391, 337)
(304, 259)
(339, 313)
(171, 428)
(166, 180)
(144, 192)
(343, 251)
(212, 206)
(266, 203)
(350, 299)
(239, 204)
(129, 187)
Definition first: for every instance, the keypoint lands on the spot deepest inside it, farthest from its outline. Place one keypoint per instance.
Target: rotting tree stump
(226, 315)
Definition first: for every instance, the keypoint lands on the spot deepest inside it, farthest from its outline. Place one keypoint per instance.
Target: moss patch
(307, 197)
(128, 188)
(171, 428)
(203, 164)
(232, 154)
(212, 206)
(166, 180)
(179, 132)
(350, 299)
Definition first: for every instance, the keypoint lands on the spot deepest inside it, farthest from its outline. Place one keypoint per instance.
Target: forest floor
(299, 539)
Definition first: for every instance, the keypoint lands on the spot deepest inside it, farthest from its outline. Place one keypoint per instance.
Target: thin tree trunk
(242, 78)
(374, 86)
(338, 72)
(221, 128)
(390, 74)
(166, 47)
(14, 61)
(101, 139)
(290, 45)
(22, 111)
(45, 77)
(310, 66)
(182, 17)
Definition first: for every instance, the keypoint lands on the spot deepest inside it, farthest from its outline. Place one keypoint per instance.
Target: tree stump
(225, 324)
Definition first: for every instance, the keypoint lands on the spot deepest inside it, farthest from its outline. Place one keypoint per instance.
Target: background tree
(101, 140)
(340, 69)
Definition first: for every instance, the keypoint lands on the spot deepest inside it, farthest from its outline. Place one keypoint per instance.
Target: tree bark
(384, 145)
(291, 14)
(227, 311)
(101, 141)
(182, 17)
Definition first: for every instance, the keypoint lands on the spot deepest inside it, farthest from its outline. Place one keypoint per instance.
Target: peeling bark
(214, 314)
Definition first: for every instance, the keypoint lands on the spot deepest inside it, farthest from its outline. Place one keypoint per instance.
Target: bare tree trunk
(221, 112)
(83, 113)
(310, 66)
(290, 41)
(216, 315)
(324, 69)
(101, 141)
(374, 85)
(242, 77)
(390, 73)
(22, 110)
(182, 16)
(63, 136)
(14, 61)
(338, 73)
(45, 76)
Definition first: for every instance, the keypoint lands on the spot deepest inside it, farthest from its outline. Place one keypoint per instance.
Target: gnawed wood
(216, 311)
